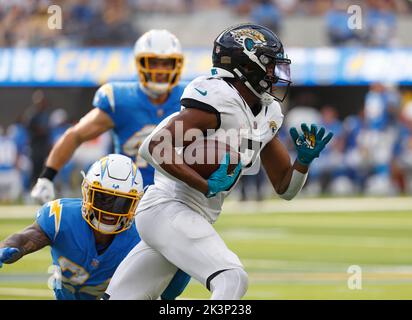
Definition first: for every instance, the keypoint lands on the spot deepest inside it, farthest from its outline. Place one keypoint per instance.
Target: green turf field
(287, 256)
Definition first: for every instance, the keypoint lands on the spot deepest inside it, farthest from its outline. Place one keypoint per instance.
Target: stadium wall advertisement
(90, 67)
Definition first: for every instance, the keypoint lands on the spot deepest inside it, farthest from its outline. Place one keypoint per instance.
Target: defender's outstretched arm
(17, 245)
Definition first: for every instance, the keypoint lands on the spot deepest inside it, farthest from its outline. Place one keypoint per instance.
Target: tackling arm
(89, 127)
(29, 240)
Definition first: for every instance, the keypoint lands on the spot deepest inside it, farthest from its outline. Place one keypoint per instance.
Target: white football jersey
(234, 115)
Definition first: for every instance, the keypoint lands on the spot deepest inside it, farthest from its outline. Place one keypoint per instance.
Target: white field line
(320, 239)
(25, 292)
(325, 266)
(299, 205)
(320, 205)
(18, 211)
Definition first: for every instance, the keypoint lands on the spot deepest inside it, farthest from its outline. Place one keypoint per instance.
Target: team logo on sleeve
(56, 211)
(273, 126)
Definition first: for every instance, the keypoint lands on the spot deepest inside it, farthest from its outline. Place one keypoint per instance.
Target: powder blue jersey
(134, 117)
(85, 273)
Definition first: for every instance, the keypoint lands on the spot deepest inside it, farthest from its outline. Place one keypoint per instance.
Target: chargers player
(130, 109)
(88, 237)
(249, 72)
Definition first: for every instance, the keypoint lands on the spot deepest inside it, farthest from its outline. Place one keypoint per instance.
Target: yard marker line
(26, 292)
(232, 206)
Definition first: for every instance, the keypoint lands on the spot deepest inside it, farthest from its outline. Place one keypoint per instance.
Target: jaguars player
(88, 236)
(241, 95)
(130, 109)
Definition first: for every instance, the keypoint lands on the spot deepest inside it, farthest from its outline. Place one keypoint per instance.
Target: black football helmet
(254, 55)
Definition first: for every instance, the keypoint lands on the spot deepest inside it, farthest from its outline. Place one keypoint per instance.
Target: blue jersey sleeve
(49, 219)
(104, 99)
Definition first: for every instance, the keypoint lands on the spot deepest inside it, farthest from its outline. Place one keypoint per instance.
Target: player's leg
(142, 275)
(188, 241)
(176, 286)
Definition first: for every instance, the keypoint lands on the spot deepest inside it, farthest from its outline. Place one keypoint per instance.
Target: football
(205, 155)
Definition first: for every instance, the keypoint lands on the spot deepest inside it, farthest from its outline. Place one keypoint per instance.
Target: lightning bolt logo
(56, 210)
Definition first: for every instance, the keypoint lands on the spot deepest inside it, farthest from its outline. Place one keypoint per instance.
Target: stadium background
(355, 209)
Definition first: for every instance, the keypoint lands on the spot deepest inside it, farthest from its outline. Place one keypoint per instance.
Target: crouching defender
(89, 237)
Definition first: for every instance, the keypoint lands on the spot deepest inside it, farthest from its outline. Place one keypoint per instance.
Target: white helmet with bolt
(111, 190)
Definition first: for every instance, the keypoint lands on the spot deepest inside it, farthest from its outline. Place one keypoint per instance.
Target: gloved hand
(309, 144)
(8, 255)
(220, 180)
(43, 191)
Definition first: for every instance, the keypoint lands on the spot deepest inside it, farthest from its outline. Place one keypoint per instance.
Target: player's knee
(243, 281)
(229, 284)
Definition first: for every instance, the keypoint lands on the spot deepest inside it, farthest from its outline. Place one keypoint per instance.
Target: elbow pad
(295, 185)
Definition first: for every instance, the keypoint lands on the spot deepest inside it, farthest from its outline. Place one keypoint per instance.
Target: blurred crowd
(26, 143)
(370, 154)
(114, 22)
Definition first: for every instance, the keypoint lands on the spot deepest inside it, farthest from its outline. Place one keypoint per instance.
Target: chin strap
(265, 98)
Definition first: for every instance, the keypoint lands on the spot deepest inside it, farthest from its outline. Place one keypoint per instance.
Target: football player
(89, 236)
(242, 94)
(130, 109)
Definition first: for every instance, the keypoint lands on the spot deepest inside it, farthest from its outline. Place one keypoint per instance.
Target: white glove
(43, 191)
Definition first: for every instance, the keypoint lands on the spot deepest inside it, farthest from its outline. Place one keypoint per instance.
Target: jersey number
(79, 274)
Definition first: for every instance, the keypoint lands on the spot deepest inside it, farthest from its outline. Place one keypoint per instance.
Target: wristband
(48, 173)
(296, 184)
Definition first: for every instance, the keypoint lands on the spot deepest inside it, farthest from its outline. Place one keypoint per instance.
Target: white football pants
(175, 236)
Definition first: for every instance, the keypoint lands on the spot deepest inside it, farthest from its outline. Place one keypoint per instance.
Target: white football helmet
(111, 190)
(158, 44)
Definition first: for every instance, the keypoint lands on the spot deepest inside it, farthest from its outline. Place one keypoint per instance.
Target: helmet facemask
(270, 78)
(108, 211)
(159, 80)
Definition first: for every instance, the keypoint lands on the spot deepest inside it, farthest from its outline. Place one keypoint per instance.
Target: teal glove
(220, 180)
(309, 144)
(8, 255)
